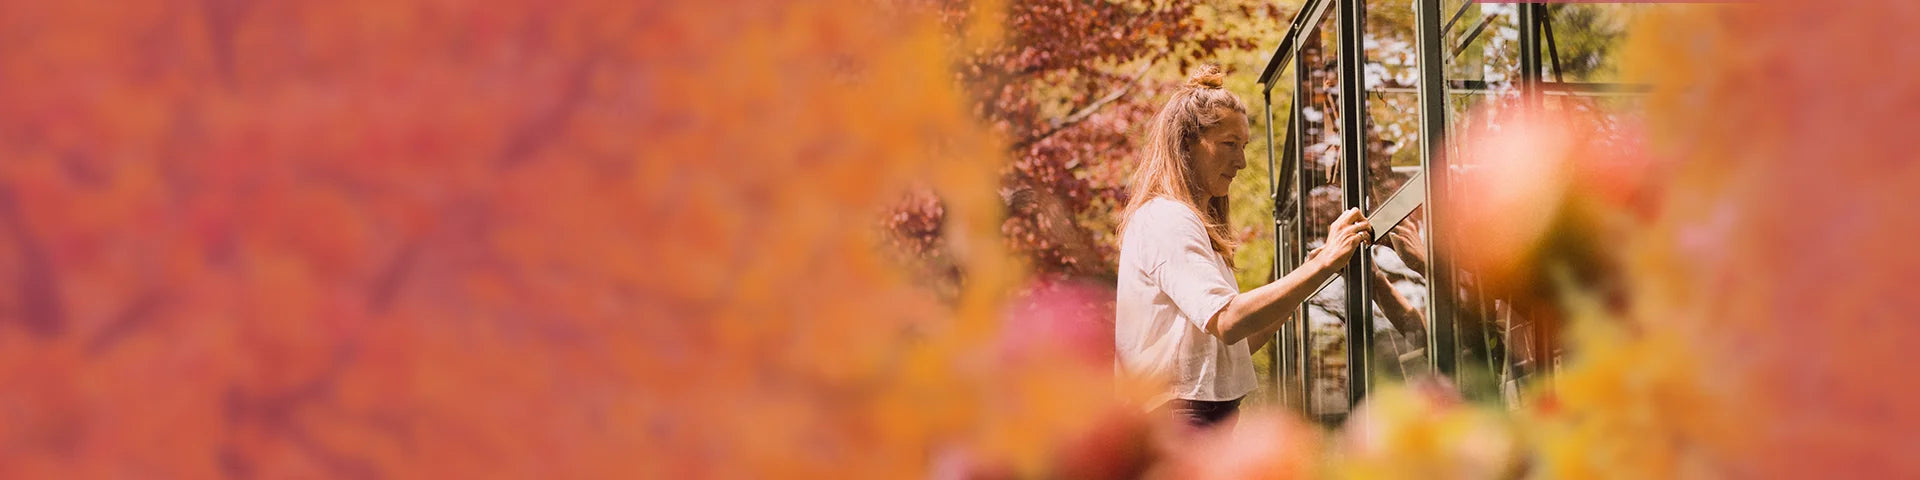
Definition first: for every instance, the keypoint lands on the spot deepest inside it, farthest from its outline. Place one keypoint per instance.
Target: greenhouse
(1417, 70)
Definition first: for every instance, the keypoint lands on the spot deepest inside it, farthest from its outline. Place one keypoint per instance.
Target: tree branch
(1083, 113)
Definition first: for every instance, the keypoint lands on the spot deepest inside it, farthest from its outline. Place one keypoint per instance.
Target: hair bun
(1207, 76)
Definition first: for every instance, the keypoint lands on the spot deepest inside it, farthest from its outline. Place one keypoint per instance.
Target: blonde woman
(1179, 316)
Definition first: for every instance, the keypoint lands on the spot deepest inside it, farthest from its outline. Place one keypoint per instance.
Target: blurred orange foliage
(1772, 305)
(430, 239)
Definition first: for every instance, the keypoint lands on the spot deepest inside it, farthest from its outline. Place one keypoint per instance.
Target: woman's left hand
(1405, 239)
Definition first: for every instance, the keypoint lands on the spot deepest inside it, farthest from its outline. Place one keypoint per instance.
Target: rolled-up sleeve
(1187, 270)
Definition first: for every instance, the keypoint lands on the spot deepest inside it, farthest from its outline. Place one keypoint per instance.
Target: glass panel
(1320, 168)
(1482, 73)
(1586, 38)
(1259, 256)
(1393, 157)
(1482, 57)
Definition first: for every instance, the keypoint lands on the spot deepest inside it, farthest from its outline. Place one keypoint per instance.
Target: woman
(1179, 316)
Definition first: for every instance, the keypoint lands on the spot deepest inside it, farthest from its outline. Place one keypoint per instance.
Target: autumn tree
(1069, 86)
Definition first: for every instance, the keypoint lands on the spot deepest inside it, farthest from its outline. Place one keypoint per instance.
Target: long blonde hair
(1166, 170)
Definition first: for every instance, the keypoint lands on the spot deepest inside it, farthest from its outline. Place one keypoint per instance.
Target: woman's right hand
(1345, 235)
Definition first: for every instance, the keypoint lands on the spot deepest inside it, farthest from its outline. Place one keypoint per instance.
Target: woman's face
(1220, 153)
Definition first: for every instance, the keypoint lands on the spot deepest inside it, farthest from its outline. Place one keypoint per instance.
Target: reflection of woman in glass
(1179, 316)
(1405, 351)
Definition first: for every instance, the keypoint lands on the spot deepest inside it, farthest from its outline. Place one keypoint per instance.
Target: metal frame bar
(1531, 16)
(1284, 347)
(1303, 23)
(1456, 17)
(1544, 329)
(1303, 329)
(1273, 199)
(1553, 48)
(1471, 36)
(1353, 152)
(1442, 347)
(1567, 87)
(1529, 53)
(1571, 89)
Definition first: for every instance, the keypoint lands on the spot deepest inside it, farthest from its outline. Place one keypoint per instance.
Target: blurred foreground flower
(1425, 430)
(1262, 445)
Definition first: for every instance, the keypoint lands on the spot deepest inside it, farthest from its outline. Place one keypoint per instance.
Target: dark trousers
(1203, 415)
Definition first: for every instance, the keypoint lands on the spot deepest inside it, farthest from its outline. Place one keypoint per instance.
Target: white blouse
(1172, 282)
